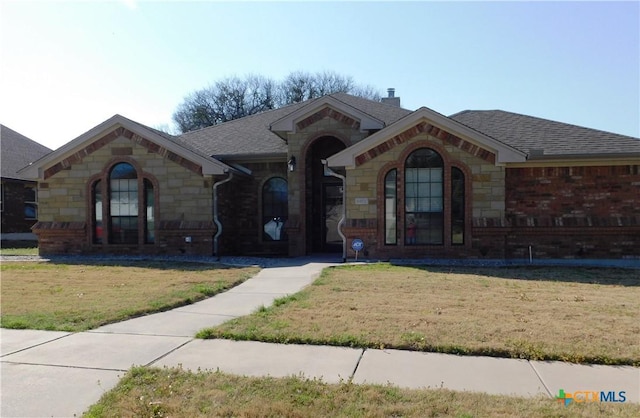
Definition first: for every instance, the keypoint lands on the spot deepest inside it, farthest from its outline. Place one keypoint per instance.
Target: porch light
(292, 163)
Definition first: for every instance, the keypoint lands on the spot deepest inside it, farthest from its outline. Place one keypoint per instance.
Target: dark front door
(323, 198)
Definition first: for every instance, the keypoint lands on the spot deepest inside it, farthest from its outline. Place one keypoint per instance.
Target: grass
(78, 297)
(155, 392)
(19, 251)
(582, 315)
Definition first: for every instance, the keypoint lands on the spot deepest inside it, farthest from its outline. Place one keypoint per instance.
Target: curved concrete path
(46, 373)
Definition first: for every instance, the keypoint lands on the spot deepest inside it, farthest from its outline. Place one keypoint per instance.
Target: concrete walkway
(46, 373)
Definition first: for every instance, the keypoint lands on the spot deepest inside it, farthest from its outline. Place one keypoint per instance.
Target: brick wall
(573, 212)
(13, 215)
(573, 196)
(240, 211)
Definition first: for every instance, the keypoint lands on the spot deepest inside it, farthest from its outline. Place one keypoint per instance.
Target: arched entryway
(323, 197)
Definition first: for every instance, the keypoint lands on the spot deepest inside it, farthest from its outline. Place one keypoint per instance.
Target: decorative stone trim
(59, 226)
(106, 139)
(587, 222)
(424, 127)
(331, 113)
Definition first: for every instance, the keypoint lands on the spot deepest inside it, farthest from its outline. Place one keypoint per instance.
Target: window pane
(30, 211)
(411, 174)
(390, 219)
(150, 221)
(457, 206)
(123, 171)
(275, 209)
(97, 212)
(436, 174)
(29, 194)
(123, 204)
(424, 198)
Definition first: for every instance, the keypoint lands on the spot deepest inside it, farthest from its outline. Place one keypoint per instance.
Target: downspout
(330, 172)
(215, 215)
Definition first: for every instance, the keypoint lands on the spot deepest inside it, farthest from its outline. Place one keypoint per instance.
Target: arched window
(123, 207)
(123, 199)
(274, 209)
(424, 198)
(390, 210)
(457, 206)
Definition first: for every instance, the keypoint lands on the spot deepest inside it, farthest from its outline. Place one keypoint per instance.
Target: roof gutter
(330, 172)
(216, 219)
(533, 156)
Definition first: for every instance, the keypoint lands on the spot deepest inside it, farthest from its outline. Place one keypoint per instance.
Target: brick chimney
(391, 99)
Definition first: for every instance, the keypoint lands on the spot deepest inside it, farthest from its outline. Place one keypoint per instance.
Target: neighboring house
(412, 184)
(19, 198)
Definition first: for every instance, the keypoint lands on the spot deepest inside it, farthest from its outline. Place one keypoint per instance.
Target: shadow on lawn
(587, 275)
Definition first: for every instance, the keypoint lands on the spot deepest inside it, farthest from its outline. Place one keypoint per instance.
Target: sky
(66, 66)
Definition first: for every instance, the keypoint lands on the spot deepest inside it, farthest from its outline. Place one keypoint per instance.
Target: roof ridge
(244, 118)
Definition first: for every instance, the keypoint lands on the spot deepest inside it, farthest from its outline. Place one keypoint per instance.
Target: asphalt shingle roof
(251, 135)
(531, 134)
(17, 152)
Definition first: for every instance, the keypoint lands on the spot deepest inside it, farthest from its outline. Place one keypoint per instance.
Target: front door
(323, 198)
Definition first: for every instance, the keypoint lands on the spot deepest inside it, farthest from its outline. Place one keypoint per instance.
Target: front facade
(314, 176)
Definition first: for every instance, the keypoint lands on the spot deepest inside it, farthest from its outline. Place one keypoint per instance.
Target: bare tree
(234, 97)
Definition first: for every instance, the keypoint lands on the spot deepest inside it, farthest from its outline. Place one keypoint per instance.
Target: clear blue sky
(67, 66)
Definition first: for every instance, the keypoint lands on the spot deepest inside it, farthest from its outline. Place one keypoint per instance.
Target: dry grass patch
(571, 314)
(153, 392)
(23, 251)
(77, 297)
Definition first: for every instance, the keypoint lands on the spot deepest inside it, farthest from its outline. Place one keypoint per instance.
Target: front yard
(78, 297)
(572, 314)
(577, 314)
(155, 392)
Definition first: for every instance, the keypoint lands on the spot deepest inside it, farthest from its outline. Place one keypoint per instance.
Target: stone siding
(331, 124)
(184, 196)
(487, 187)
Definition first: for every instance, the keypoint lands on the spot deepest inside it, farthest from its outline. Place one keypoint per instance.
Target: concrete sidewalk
(48, 373)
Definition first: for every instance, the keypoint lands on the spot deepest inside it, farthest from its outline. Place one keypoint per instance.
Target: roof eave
(504, 153)
(36, 169)
(287, 124)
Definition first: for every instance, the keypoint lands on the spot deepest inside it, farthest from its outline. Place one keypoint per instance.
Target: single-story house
(314, 176)
(18, 195)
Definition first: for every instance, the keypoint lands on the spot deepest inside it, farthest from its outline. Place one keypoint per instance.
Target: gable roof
(77, 147)
(542, 138)
(419, 121)
(17, 152)
(252, 136)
